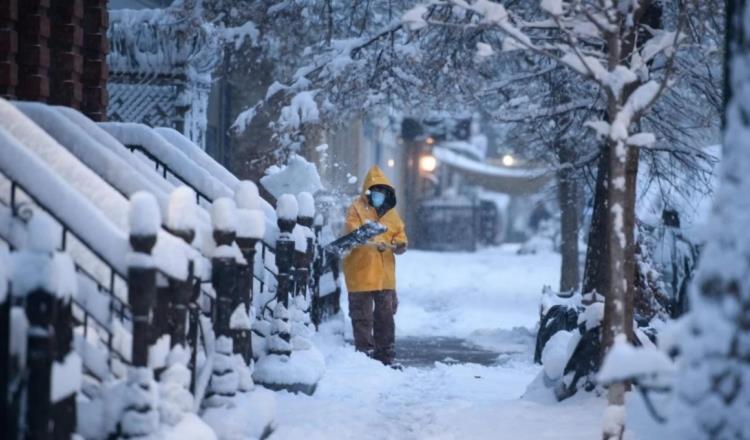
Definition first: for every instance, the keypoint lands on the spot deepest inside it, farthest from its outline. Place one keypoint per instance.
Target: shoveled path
(464, 333)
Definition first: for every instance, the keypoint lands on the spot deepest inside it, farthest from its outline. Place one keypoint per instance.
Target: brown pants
(372, 323)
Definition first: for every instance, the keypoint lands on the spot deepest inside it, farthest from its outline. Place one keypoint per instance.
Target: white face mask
(378, 198)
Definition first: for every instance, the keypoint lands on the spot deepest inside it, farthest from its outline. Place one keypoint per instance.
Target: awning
(509, 180)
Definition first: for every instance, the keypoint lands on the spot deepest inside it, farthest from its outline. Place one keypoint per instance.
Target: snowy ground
(489, 298)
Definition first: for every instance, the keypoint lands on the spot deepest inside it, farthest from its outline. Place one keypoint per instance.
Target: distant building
(161, 61)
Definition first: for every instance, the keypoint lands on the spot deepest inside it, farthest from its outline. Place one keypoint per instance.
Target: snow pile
(246, 195)
(66, 377)
(306, 204)
(299, 235)
(287, 207)
(140, 417)
(225, 380)
(43, 234)
(38, 267)
(144, 216)
(251, 415)
(557, 352)
(183, 210)
(240, 320)
(175, 400)
(251, 220)
(224, 215)
(297, 176)
(303, 367)
(626, 362)
(251, 223)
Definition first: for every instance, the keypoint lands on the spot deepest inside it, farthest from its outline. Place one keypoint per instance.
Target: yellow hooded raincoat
(366, 269)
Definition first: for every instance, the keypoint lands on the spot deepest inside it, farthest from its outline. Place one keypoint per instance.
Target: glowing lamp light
(428, 163)
(391, 163)
(430, 140)
(508, 160)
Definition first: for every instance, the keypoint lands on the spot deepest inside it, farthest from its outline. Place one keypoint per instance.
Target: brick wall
(8, 47)
(33, 56)
(55, 51)
(95, 49)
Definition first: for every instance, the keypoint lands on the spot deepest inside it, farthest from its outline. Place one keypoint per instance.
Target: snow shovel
(357, 237)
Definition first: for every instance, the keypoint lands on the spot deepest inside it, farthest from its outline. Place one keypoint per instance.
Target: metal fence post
(317, 272)
(224, 280)
(247, 246)
(64, 411)
(41, 310)
(140, 416)
(224, 266)
(287, 214)
(141, 296)
(251, 227)
(303, 264)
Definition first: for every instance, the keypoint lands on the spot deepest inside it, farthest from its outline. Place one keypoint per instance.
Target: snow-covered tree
(713, 394)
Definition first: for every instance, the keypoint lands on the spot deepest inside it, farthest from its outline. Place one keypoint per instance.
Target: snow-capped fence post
(46, 282)
(250, 230)
(67, 368)
(140, 416)
(304, 255)
(181, 223)
(224, 264)
(142, 273)
(292, 364)
(317, 272)
(40, 311)
(286, 211)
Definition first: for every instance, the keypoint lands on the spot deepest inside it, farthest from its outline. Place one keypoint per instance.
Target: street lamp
(427, 163)
(508, 160)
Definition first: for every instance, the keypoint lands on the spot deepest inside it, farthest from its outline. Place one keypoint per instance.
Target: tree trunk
(631, 177)
(595, 275)
(568, 196)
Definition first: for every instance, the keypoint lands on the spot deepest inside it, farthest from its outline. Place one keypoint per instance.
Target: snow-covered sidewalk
(479, 297)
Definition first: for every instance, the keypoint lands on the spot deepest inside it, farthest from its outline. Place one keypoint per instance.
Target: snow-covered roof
(502, 179)
(161, 41)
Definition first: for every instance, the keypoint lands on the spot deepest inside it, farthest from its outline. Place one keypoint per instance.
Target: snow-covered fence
(171, 302)
(326, 282)
(139, 280)
(280, 342)
(38, 361)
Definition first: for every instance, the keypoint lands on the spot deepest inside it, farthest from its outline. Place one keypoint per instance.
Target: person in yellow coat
(370, 269)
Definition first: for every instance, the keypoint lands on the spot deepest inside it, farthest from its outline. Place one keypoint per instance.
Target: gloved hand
(395, 302)
(399, 248)
(382, 247)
